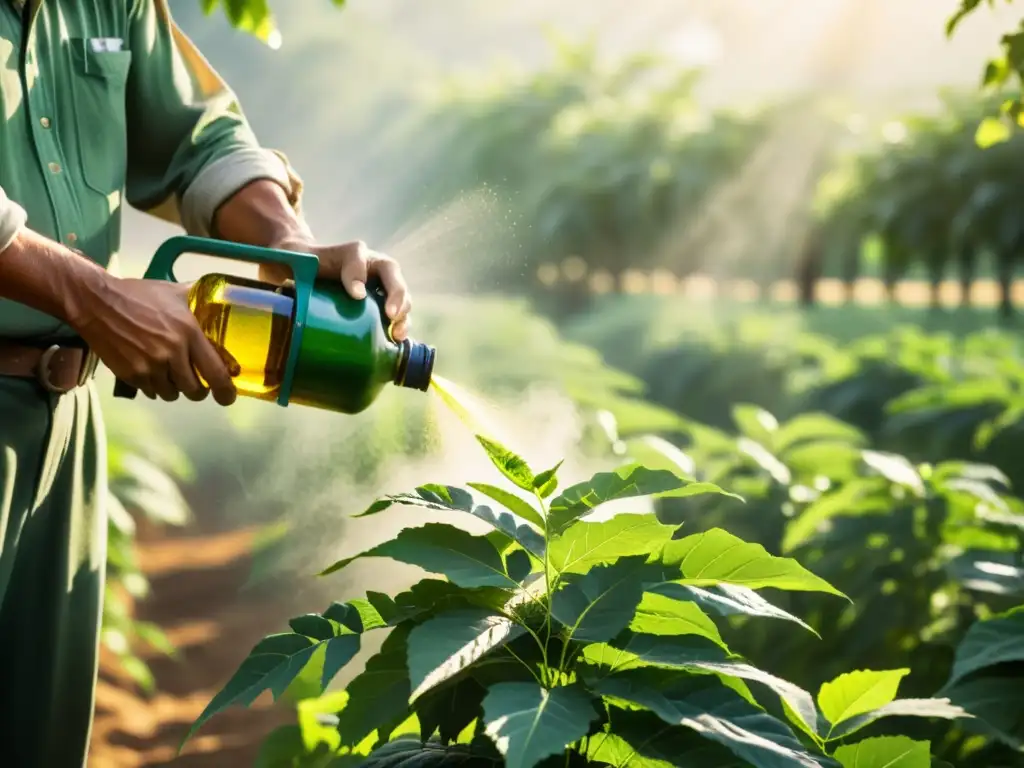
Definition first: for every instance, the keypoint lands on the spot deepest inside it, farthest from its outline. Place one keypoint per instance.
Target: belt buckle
(89, 363)
(43, 371)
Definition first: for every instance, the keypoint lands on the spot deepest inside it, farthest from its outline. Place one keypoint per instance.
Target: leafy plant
(1000, 70)
(923, 550)
(565, 635)
(143, 474)
(987, 675)
(252, 16)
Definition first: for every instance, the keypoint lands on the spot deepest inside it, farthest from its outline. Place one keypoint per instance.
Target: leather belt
(58, 367)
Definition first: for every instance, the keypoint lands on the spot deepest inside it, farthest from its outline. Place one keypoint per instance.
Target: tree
(1000, 71)
(253, 16)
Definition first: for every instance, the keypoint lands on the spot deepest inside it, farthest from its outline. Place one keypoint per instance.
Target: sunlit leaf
(629, 481)
(886, 752)
(529, 723)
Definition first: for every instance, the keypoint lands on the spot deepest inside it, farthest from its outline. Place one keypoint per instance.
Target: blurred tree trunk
(936, 271)
(810, 266)
(1005, 262)
(967, 261)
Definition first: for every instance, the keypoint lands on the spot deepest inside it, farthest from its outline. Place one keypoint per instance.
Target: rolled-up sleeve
(12, 219)
(190, 147)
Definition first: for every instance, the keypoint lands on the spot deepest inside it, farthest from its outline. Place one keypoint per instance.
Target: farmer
(105, 102)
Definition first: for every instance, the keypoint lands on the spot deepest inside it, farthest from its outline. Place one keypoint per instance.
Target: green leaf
(641, 739)
(728, 600)
(442, 647)
(858, 497)
(693, 654)
(629, 481)
(466, 560)
(632, 650)
(924, 708)
(446, 498)
(715, 712)
(661, 615)
(529, 723)
(995, 573)
(379, 695)
(966, 8)
(450, 709)
(813, 428)
(339, 652)
(273, 664)
(586, 544)
(509, 464)
(992, 131)
(410, 752)
(655, 452)
(886, 752)
(755, 422)
(715, 556)
(510, 501)
(599, 605)
(855, 693)
(797, 703)
(547, 481)
(987, 643)
(317, 718)
(895, 469)
(993, 697)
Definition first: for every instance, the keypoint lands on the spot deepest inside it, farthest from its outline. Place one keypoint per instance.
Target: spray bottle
(305, 342)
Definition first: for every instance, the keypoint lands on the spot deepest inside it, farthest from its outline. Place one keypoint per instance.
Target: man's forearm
(49, 277)
(260, 214)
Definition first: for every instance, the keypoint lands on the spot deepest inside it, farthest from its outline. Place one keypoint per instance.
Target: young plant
(564, 637)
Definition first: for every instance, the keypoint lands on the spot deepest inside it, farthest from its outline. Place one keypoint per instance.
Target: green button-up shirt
(107, 101)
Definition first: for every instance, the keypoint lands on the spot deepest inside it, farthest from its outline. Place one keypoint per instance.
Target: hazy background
(341, 80)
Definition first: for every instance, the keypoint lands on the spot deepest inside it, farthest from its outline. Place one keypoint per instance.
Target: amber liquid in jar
(252, 321)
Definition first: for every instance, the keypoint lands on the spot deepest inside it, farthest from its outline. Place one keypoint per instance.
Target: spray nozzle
(416, 366)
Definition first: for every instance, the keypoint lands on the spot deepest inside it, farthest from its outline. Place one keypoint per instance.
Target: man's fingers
(212, 368)
(146, 388)
(399, 302)
(353, 271)
(184, 377)
(164, 387)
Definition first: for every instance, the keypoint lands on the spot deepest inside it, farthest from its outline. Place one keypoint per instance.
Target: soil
(197, 597)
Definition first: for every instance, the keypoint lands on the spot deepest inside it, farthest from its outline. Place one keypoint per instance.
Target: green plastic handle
(304, 268)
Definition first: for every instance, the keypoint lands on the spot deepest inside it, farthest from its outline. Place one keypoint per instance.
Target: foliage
(923, 531)
(928, 396)
(928, 196)
(143, 474)
(566, 636)
(603, 161)
(999, 71)
(252, 16)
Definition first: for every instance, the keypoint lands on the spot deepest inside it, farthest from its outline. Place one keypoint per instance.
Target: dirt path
(196, 597)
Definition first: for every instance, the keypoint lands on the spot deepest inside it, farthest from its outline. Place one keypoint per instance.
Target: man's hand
(260, 214)
(144, 332)
(141, 329)
(353, 264)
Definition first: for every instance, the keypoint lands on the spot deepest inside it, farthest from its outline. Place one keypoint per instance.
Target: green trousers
(53, 540)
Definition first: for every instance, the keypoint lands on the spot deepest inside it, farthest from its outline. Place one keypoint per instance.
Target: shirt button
(72, 238)
(55, 167)
(45, 122)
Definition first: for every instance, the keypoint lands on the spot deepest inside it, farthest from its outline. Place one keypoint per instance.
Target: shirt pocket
(98, 89)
